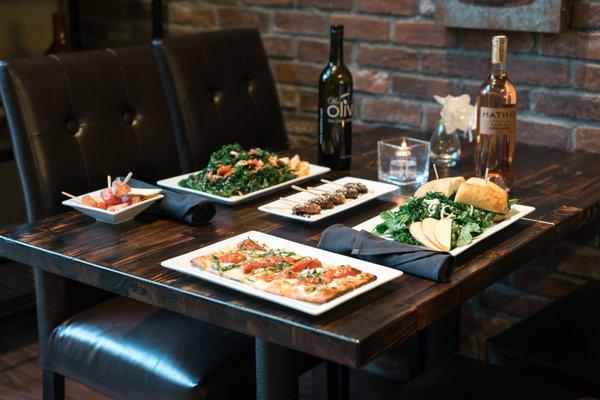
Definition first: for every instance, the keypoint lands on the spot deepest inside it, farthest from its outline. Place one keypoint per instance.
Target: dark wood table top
(125, 259)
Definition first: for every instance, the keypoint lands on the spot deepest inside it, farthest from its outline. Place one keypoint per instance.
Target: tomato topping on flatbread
(249, 244)
(274, 259)
(305, 263)
(251, 266)
(340, 272)
(232, 258)
(311, 280)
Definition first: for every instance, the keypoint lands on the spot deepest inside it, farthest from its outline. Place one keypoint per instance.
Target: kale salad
(233, 171)
(467, 221)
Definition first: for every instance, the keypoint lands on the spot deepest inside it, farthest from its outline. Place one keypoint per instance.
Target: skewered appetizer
(307, 208)
(233, 171)
(117, 196)
(329, 200)
(323, 201)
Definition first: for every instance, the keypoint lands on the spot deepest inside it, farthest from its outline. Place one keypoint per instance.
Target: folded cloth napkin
(363, 245)
(187, 208)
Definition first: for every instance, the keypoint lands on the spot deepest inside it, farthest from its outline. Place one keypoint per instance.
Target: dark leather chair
(73, 119)
(560, 343)
(466, 378)
(220, 90)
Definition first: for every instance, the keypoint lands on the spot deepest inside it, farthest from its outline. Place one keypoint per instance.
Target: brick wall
(400, 58)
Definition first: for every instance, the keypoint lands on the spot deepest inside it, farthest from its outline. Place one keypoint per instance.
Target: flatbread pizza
(283, 272)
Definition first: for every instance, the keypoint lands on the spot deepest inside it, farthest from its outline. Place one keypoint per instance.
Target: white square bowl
(111, 217)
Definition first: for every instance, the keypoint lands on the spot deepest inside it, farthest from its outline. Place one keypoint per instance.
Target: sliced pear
(443, 233)
(415, 229)
(428, 228)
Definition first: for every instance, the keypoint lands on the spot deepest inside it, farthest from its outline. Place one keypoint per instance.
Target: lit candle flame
(404, 152)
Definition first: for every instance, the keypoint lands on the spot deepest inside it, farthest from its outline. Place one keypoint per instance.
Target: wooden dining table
(125, 259)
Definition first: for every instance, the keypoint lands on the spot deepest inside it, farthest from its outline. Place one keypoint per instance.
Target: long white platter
(517, 212)
(182, 264)
(284, 208)
(173, 183)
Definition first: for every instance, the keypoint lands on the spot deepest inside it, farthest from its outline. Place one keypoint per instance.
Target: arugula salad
(467, 221)
(233, 171)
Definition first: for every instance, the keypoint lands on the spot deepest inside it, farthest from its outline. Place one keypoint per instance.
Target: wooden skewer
(487, 174)
(319, 189)
(332, 183)
(276, 208)
(538, 220)
(298, 188)
(290, 200)
(435, 172)
(128, 177)
(71, 196)
(68, 195)
(108, 181)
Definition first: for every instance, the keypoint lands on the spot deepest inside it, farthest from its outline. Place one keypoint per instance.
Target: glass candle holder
(403, 161)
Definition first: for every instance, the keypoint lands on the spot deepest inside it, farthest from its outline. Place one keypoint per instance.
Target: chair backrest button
(128, 118)
(72, 126)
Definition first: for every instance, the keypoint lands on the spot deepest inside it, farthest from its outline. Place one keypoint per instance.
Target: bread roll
(483, 195)
(447, 186)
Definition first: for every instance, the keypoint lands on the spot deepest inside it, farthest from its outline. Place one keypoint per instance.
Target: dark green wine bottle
(335, 107)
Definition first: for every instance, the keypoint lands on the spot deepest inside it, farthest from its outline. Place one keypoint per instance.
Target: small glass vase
(445, 147)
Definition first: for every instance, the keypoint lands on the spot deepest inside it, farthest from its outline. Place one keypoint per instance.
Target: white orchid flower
(457, 113)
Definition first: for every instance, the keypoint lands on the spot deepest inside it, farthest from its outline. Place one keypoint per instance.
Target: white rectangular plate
(516, 212)
(183, 265)
(173, 183)
(112, 217)
(284, 209)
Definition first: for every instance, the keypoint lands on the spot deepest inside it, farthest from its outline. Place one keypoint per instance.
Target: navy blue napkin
(428, 264)
(186, 208)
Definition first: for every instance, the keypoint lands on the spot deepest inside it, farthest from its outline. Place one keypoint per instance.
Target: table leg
(338, 381)
(276, 372)
(53, 386)
(441, 339)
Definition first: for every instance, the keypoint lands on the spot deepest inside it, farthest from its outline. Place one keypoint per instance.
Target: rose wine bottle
(335, 107)
(496, 121)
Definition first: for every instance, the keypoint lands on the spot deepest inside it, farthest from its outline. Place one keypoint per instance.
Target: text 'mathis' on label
(500, 121)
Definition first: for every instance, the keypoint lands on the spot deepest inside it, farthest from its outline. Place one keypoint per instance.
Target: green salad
(233, 171)
(467, 221)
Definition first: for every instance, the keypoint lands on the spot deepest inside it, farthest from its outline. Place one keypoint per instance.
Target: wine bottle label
(500, 121)
(339, 109)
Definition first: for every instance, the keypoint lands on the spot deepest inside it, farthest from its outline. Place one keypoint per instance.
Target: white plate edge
(384, 274)
(73, 203)
(487, 233)
(338, 209)
(320, 170)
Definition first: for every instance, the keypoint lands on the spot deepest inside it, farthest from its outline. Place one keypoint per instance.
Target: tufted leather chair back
(220, 90)
(74, 118)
